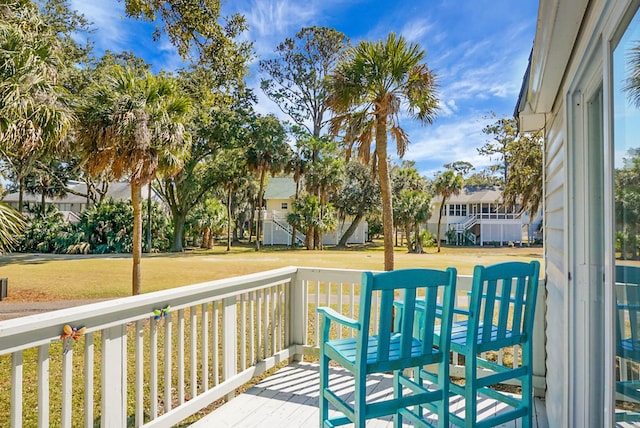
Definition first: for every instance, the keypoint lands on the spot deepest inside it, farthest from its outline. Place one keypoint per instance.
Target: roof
(474, 194)
(118, 191)
(280, 188)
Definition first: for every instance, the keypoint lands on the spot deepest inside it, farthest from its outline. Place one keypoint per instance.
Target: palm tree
(33, 118)
(632, 82)
(268, 153)
(132, 125)
(11, 225)
(367, 91)
(446, 184)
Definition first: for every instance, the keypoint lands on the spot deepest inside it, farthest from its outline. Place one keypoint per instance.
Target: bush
(108, 227)
(49, 234)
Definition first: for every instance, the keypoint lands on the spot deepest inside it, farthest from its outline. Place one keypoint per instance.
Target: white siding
(554, 233)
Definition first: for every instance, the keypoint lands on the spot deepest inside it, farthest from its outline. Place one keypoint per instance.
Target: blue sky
(478, 49)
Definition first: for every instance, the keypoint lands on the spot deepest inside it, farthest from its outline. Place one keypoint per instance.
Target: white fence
(137, 367)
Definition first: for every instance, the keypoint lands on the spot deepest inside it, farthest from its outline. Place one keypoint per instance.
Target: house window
(457, 210)
(284, 206)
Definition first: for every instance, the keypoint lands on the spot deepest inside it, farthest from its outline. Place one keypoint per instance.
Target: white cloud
(112, 31)
(415, 30)
(434, 146)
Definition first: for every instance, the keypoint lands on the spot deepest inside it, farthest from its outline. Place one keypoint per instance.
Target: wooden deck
(289, 398)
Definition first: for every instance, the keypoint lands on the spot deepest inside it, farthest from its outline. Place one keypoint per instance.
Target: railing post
(297, 322)
(114, 377)
(539, 342)
(229, 339)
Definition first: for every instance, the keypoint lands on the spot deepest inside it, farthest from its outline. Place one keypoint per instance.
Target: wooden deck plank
(290, 398)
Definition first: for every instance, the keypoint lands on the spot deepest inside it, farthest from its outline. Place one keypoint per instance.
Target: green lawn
(34, 277)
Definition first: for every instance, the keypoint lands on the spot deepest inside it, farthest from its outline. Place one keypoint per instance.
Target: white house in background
(72, 205)
(477, 217)
(573, 91)
(279, 195)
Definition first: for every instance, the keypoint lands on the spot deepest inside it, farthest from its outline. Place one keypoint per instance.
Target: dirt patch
(28, 295)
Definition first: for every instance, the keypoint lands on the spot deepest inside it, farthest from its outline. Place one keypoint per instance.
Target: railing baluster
(16, 389)
(193, 351)
(205, 346)
(215, 344)
(67, 386)
(274, 319)
(168, 348)
(43, 386)
(340, 307)
(266, 323)
(153, 369)
(88, 379)
(139, 372)
(252, 325)
(279, 311)
(316, 315)
(243, 332)
(180, 363)
(287, 302)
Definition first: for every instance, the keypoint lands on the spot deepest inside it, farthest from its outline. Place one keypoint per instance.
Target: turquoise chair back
(407, 287)
(503, 298)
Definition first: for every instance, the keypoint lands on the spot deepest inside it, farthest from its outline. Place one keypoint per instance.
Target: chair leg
(527, 386)
(470, 392)
(443, 385)
(359, 402)
(324, 384)
(397, 393)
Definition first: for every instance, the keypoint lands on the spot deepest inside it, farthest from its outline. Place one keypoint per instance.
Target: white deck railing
(131, 369)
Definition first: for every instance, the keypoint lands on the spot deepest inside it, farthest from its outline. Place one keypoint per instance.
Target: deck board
(290, 398)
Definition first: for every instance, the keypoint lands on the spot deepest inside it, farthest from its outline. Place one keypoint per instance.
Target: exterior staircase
(284, 225)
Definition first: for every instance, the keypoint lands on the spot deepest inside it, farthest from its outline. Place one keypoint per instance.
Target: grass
(46, 277)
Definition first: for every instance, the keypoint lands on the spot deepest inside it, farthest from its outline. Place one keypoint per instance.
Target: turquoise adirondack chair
(379, 347)
(500, 314)
(628, 333)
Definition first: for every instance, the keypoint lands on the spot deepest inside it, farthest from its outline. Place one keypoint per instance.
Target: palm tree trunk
(440, 222)
(385, 188)
(229, 220)
(136, 201)
(259, 207)
(21, 194)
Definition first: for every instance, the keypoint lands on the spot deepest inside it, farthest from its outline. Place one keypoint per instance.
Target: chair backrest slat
(408, 287)
(505, 306)
(503, 299)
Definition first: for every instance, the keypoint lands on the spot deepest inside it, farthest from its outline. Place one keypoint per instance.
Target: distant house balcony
(158, 359)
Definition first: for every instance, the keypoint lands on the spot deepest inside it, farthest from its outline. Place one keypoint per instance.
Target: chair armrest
(333, 315)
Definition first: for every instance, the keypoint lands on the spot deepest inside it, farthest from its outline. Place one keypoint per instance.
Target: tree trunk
(440, 222)
(21, 195)
(385, 188)
(407, 232)
(149, 243)
(43, 202)
(350, 230)
(178, 232)
(229, 220)
(205, 238)
(418, 246)
(136, 201)
(259, 209)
